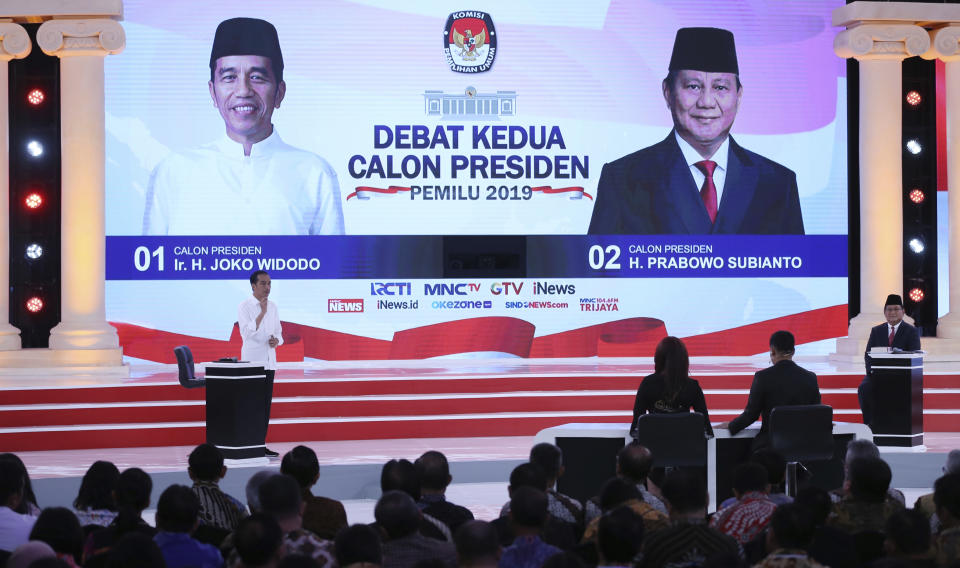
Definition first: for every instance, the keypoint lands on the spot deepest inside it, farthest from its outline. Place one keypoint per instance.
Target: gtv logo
(450, 289)
(504, 288)
(390, 289)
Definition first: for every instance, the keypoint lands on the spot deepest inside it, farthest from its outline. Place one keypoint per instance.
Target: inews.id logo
(340, 305)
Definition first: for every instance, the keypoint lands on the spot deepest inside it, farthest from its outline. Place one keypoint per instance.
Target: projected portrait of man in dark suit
(698, 180)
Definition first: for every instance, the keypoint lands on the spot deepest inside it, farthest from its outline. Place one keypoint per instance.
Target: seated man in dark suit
(783, 384)
(895, 334)
(698, 180)
(435, 476)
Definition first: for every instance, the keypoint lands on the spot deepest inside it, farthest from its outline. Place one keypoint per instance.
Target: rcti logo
(390, 289)
(504, 288)
(470, 41)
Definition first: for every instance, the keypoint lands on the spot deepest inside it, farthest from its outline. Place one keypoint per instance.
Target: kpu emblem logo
(470, 41)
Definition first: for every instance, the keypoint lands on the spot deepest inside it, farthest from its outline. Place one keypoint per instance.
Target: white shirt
(14, 528)
(216, 190)
(720, 157)
(256, 347)
(893, 328)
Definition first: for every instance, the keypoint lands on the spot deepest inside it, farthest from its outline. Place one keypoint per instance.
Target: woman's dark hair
(671, 362)
(29, 498)
(59, 527)
(96, 489)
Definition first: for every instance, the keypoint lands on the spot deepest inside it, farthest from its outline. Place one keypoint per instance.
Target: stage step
(159, 412)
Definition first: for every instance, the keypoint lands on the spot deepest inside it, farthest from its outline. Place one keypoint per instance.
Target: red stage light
(916, 294)
(914, 98)
(35, 97)
(33, 200)
(34, 304)
(917, 195)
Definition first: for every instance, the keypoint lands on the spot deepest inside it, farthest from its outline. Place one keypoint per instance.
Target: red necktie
(890, 339)
(708, 192)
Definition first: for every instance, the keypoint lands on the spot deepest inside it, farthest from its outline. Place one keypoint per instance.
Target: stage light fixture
(914, 98)
(914, 147)
(34, 304)
(35, 148)
(917, 195)
(33, 200)
(34, 251)
(916, 245)
(916, 295)
(35, 97)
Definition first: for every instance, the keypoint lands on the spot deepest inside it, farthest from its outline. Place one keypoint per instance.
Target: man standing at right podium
(896, 333)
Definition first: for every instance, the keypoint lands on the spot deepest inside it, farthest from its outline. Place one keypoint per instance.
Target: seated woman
(670, 389)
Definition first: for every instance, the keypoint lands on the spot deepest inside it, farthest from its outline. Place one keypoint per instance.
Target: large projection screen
(398, 130)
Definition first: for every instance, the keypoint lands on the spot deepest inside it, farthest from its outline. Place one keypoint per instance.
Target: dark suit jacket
(783, 384)
(653, 192)
(907, 338)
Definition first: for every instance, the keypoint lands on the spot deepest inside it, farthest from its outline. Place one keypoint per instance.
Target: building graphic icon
(471, 104)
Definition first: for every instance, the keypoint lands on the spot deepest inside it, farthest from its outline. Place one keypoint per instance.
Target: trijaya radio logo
(470, 41)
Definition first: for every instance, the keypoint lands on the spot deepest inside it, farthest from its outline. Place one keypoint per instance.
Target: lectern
(897, 380)
(236, 419)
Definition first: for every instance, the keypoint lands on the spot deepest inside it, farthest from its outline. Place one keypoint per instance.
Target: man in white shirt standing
(260, 330)
(249, 181)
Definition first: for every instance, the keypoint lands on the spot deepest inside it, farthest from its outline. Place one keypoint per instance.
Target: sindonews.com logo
(461, 304)
(537, 305)
(340, 305)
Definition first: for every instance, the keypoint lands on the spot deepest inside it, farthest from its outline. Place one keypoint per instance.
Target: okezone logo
(599, 304)
(547, 289)
(390, 289)
(506, 288)
(339, 305)
(470, 41)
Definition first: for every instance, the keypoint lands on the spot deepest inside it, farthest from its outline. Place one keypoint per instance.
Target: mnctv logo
(338, 305)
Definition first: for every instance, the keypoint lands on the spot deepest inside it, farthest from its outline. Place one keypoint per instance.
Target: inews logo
(339, 305)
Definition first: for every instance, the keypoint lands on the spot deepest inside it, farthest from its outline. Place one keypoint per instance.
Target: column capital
(881, 41)
(67, 38)
(944, 44)
(16, 42)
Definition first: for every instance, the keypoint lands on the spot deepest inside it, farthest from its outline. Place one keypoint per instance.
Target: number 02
(606, 259)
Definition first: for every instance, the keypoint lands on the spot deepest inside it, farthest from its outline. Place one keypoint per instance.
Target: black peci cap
(247, 36)
(704, 49)
(894, 300)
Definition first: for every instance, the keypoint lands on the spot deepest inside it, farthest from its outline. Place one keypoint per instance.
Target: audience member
(404, 546)
(750, 514)
(908, 538)
(564, 560)
(556, 532)
(528, 515)
(134, 550)
(59, 527)
(866, 506)
(550, 459)
(297, 561)
(217, 509)
(259, 541)
(280, 498)
(477, 545)
(28, 505)
(358, 546)
(178, 514)
(946, 498)
(688, 539)
(925, 502)
(831, 546)
(252, 489)
(670, 389)
(95, 504)
(617, 493)
(791, 531)
(620, 537)
(862, 448)
(402, 475)
(132, 496)
(435, 476)
(29, 552)
(14, 527)
(633, 464)
(776, 468)
(322, 516)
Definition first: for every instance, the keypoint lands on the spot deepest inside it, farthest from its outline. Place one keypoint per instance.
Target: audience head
(750, 477)
(782, 344)
(135, 550)
(206, 463)
(258, 539)
(860, 448)
(12, 483)
(434, 471)
(817, 501)
(528, 507)
(672, 362)
(869, 479)
(791, 526)
(773, 462)
(946, 497)
(550, 460)
(178, 509)
(280, 498)
(397, 513)
(96, 488)
(685, 492)
(619, 536)
(29, 552)
(634, 462)
(59, 527)
(133, 490)
(617, 491)
(253, 488)
(301, 463)
(27, 498)
(528, 475)
(953, 462)
(400, 475)
(477, 544)
(358, 544)
(907, 533)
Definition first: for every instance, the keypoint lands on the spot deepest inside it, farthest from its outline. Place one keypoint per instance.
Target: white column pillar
(81, 46)
(880, 49)
(15, 45)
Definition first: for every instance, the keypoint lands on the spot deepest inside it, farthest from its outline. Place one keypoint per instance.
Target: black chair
(801, 434)
(185, 365)
(675, 440)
